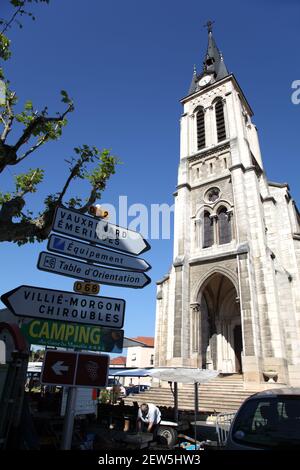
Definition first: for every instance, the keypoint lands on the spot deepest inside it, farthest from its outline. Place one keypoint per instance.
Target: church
(231, 300)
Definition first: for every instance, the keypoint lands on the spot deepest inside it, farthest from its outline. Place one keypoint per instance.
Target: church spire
(213, 65)
(194, 81)
(213, 62)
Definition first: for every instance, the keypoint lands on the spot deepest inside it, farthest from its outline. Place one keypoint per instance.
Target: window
(268, 423)
(224, 226)
(212, 195)
(200, 129)
(220, 121)
(208, 230)
(152, 360)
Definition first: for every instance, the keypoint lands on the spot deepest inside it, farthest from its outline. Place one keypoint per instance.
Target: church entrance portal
(220, 325)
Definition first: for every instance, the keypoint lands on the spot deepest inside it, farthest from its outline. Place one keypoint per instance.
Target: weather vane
(208, 25)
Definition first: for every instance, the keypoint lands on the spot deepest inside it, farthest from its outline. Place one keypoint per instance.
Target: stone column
(196, 333)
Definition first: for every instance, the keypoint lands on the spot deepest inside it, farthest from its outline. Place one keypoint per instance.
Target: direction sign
(95, 254)
(75, 369)
(59, 368)
(92, 370)
(71, 335)
(72, 268)
(51, 304)
(78, 225)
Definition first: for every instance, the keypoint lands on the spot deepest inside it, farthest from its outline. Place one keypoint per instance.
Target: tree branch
(91, 200)
(8, 23)
(39, 120)
(8, 153)
(10, 119)
(72, 175)
(26, 230)
(11, 209)
(33, 148)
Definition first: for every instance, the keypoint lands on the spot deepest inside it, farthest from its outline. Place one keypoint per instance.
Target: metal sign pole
(176, 402)
(69, 419)
(196, 412)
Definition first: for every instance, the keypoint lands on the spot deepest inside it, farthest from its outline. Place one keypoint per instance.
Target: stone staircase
(222, 394)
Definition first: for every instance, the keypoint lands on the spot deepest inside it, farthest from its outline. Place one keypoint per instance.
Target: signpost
(51, 304)
(75, 224)
(75, 369)
(70, 320)
(95, 254)
(72, 268)
(71, 335)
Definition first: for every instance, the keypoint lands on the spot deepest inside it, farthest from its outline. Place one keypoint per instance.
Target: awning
(183, 375)
(130, 372)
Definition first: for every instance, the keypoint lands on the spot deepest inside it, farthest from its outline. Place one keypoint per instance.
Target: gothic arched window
(208, 230)
(224, 226)
(200, 129)
(220, 120)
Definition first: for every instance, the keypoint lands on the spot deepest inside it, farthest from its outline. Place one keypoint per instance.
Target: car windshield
(112, 381)
(269, 422)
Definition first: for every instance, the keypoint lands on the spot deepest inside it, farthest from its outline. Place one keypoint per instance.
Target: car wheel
(167, 436)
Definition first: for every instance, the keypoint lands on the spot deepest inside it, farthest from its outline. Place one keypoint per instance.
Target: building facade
(141, 356)
(231, 300)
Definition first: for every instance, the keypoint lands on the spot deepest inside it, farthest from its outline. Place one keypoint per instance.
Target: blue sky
(127, 64)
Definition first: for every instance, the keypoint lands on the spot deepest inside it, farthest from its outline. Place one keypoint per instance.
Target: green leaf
(27, 182)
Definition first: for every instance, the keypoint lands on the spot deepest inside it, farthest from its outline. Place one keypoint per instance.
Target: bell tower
(220, 306)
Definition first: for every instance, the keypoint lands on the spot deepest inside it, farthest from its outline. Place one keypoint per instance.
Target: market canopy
(183, 375)
(169, 374)
(130, 372)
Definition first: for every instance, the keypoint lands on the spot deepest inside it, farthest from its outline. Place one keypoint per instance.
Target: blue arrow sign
(95, 254)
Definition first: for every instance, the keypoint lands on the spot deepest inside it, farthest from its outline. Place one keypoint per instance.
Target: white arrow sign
(90, 272)
(59, 368)
(84, 227)
(95, 254)
(51, 304)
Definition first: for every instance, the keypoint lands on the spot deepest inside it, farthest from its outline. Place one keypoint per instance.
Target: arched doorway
(220, 325)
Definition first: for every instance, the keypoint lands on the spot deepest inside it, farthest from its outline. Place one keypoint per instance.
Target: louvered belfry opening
(200, 129)
(221, 130)
(208, 230)
(224, 226)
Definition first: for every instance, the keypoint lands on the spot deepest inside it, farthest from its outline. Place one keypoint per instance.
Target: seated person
(270, 414)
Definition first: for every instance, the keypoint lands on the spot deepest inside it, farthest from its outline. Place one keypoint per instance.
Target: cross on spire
(208, 25)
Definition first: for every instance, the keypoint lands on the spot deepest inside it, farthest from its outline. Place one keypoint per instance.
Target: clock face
(204, 80)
